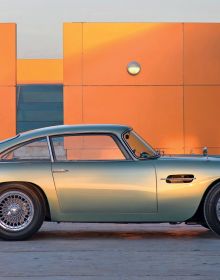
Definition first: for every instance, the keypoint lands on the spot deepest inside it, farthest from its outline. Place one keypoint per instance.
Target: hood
(190, 158)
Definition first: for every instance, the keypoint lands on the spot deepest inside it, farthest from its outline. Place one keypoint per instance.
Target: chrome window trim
(50, 149)
(128, 146)
(114, 137)
(23, 143)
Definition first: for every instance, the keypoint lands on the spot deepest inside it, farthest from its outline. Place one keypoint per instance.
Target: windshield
(138, 146)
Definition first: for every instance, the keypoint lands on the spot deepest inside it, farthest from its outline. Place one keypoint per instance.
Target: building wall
(7, 80)
(173, 102)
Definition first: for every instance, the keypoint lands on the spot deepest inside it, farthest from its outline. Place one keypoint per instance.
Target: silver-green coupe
(101, 173)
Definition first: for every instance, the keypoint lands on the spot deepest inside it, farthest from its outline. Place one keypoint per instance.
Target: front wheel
(204, 224)
(212, 209)
(22, 212)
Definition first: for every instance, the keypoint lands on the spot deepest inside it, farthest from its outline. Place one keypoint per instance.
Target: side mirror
(205, 151)
(144, 155)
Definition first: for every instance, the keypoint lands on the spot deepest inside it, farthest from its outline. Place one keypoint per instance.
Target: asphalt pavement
(113, 251)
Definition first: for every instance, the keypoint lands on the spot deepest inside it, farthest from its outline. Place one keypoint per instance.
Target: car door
(94, 176)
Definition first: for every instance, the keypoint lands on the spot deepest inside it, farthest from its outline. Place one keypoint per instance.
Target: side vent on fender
(179, 178)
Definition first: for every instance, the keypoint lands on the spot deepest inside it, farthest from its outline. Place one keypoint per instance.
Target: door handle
(60, 170)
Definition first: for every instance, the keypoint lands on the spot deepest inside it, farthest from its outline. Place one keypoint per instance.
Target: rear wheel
(212, 209)
(22, 212)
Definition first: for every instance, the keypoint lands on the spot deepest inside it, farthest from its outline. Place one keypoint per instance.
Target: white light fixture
(133, 68)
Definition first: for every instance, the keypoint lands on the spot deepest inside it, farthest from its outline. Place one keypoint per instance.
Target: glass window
(39, 106)
(138, 146)
(86, 147)
(35, 150)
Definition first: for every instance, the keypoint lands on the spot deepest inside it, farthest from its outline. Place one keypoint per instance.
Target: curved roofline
(64, 129)
(60, 129)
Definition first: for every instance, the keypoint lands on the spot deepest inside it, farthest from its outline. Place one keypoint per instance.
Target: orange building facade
(173, 102)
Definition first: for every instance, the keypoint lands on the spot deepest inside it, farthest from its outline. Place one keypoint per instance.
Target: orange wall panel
(201, 117)
(201, 53)
(155, 112)
(109, 47)
(7, 112)
(72, 53)
(72, 98)
(7, 54)
(39, 71)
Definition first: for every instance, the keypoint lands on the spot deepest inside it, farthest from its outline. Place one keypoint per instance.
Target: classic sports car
(101, 173)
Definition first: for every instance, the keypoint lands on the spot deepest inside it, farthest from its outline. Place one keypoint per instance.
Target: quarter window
(86, 147)
(138, 146)
(34, 150)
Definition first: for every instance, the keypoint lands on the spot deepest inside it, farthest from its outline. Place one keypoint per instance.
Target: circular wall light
(133, 68)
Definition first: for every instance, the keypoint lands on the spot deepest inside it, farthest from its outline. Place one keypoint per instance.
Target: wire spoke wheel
(218, 209)
(16, 211)
(212, 209)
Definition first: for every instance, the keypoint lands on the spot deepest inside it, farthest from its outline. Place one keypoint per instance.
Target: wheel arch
(38, 190)
(199, 216)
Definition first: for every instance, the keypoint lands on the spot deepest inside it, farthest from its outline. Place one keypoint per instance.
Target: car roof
(83, 128)
(63, 129)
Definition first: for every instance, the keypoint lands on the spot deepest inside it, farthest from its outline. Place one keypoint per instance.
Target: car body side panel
(176, 202)
(179, 201)
(38, 173)
(106, 188)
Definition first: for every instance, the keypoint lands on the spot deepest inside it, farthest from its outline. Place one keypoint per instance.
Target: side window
(86, 147)
(34, 150)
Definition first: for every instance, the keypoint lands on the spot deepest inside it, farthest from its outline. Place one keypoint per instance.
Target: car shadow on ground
(180, 233)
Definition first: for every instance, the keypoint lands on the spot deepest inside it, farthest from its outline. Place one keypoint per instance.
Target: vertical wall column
(7, 80)
(201, 87)
(72, 73)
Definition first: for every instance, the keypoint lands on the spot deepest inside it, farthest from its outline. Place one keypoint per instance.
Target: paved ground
(109, 251)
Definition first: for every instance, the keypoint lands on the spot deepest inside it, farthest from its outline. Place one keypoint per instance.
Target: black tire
(203, 224)
(22, 211)
(210, 209)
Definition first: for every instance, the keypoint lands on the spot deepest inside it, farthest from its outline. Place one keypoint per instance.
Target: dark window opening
(39, 106)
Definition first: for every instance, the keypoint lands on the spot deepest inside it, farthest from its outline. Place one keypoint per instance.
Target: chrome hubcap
(16, 210)
(218, 209)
